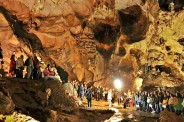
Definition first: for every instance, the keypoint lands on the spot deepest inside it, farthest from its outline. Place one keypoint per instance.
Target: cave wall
(99, 40)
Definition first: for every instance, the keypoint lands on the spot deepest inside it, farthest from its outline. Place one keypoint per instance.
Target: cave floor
(130, 114)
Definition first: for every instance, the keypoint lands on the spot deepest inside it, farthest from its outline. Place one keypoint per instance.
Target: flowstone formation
(99, 40)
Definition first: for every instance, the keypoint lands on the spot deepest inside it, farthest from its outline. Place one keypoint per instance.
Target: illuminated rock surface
(93, 42)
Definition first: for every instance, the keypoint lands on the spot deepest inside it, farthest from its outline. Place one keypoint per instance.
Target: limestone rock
(167, 116)
(6, 105)
(96, 40)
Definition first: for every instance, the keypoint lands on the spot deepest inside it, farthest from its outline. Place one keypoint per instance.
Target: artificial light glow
(118, 83)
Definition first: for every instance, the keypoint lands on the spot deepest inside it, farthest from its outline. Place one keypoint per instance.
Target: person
(161, 97)
(1, 57)
(36, 70)
(171, 103)
(81, 90)
(46, 72)
(136, 99)
(171, 6)
(97, 93)
(113, 96)
(89, 97)
(144, 101)
(140, 101)
(52, 72)
(109, 98)
(149, 102)
(119, 95)
(30, 67)
(106, 93)
(12, 66)
(156, 100)
(103, 94)
(178, 104)
(20, 67)
(165, 102)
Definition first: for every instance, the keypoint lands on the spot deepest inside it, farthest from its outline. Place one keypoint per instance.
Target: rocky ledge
(44, 100)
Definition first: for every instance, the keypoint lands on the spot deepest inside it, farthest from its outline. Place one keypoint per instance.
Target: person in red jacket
(12, 66)
(46, 72)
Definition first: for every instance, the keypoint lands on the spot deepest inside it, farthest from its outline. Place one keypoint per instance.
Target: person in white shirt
(109, 98)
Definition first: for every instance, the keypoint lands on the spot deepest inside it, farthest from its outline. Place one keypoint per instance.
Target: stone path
(130, 114)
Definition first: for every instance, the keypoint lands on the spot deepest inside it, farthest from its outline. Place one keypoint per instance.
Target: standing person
(29, 69)
(109, 98)
(149, 102)
(101, 93)
(97, 93)
(89, 97)
(106, 93)
(46, 72)
(36, 70)
(140, 100)
(12, 66)
(165, 102)
(1, 56)
(178, 104)
(20, 67)
(144, 101)
(156, 100)
(171, 103)
(136, 99)
(113, 96)
(81, 90)
(119, 95)
(37, 74)
(161, 97)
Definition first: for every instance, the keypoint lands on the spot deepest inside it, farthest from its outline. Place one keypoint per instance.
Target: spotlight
(118, 84)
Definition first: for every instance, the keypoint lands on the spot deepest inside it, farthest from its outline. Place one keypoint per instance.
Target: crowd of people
(153, 102)
(33, 69)
(158, 101)
(32, 65)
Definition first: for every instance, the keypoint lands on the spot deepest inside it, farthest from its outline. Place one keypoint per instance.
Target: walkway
(130, 114)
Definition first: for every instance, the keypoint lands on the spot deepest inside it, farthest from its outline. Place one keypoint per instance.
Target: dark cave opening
(168, 48)
(105, 53)
(164, 4)
(122, 51)
(181, 41)
(163, 68)
(134, 23)
(105, 33)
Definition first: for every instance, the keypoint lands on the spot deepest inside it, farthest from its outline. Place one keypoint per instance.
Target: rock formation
(99, 40)
(45, 100)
